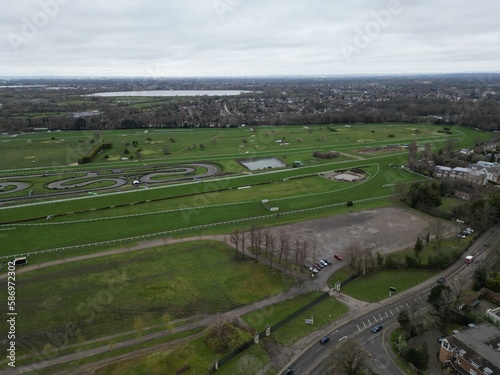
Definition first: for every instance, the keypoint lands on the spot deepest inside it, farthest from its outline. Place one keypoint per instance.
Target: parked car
(324, 340)
(338, 257)
(320, 265)
(326, 261)
(461, 235)
(469, 230)
(312, 269)
(376, 328)
(323, 262)
(441, 280)
(288, 371)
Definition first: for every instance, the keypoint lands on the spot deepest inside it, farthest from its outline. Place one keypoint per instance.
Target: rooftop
(479, 345)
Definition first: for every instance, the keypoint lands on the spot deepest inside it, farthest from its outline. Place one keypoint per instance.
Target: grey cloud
(194, 37)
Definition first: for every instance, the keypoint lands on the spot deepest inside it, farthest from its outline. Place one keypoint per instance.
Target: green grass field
(374, 287)
(195, 357)
(322, 314)
(101, 297)
(96, 298)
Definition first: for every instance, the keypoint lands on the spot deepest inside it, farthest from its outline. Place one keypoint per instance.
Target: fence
(273, 328)
(205, 226)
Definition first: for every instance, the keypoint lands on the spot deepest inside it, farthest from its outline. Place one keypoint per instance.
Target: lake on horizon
(172, 93)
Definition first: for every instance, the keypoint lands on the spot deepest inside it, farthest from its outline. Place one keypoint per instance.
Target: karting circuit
(91, 181)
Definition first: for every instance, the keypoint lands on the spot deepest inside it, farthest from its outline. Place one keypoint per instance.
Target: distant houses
(479, 173)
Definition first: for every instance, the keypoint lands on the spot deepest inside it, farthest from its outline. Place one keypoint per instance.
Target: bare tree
(253, 238)
(243, 238)
(297, 249)
(236, 239)
(284, 244)
(438, 233)
(355, 258)
(271, 247)
(349, 359)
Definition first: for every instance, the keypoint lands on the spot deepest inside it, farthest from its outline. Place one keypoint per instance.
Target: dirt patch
(349, 176)
(384, 230)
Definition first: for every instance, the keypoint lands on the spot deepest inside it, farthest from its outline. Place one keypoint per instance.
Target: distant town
(39, 104)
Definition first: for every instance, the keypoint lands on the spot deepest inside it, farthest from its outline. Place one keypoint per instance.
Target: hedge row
(92, 154)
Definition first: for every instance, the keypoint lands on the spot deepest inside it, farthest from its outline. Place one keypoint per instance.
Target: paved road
(309, 361)
(356, 323)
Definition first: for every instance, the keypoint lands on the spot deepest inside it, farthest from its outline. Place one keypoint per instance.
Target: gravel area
(384, 230)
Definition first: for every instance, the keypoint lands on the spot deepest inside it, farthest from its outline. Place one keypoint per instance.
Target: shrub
(349, 204)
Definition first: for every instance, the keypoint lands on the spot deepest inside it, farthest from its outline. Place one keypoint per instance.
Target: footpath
(282, 354)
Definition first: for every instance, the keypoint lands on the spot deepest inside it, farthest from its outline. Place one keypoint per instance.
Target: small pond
(257, 164)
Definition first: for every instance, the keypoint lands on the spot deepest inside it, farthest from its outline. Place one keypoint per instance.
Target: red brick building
(474, 351)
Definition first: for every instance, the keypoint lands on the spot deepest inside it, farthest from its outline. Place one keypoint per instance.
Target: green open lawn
(374, 287)
(195, 357)
(322, 314)
(101, 297)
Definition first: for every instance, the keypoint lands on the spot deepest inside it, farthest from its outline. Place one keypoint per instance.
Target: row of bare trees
(281, 247)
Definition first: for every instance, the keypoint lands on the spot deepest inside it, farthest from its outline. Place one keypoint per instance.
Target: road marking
(386, 315)
(380, 316)
(359, 329)
(374, 317)
(369, 322)
(364, 324)
(407, 305)
(397, 309)
(391, 312)
(343, 338)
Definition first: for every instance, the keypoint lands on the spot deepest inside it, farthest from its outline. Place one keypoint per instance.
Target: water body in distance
(172, 93)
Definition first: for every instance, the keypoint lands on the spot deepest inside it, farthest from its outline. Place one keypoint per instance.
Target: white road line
(386, 315)
(374, 317)
(397, 309)
(391, 312)
(364, 324)
(359, 329)
(407, 305)
(369, 322)
(380, 316)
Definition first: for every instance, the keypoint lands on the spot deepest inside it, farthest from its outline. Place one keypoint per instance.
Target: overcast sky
(247, 37)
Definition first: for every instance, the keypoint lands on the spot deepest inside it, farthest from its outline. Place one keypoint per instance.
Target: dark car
(376, 328)
(288, 371)
(319, 265)
(324, 340)
(441, 280)
(326, 261)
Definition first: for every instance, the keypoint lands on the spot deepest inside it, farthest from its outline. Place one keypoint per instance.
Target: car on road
(288, 371)
(324, 340)
(338, 257)
(441, 280)
(376, 328)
